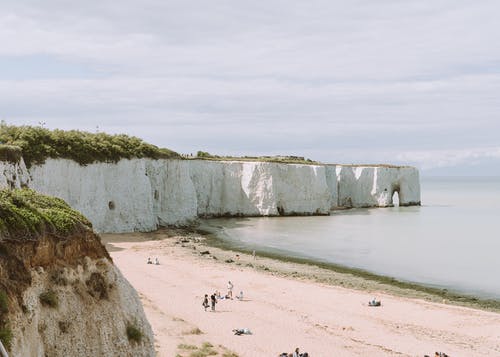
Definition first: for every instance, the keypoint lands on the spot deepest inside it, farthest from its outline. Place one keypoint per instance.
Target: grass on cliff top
(38, 143)
(202, 155)
(27, 214)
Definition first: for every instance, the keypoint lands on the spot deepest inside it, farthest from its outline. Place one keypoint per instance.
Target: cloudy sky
(415, 82)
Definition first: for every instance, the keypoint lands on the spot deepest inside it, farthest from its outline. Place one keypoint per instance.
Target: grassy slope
(37, 144)
(26, 214)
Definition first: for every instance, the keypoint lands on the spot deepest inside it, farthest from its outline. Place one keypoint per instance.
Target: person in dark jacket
(213, 300)
(205, 302)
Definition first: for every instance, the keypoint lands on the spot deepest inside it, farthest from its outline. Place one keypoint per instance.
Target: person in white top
(230, 289)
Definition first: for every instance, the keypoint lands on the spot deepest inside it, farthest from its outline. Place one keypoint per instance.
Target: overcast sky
(413, 82)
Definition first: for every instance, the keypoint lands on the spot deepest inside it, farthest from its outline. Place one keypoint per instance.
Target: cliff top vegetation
(202, 155)
(37, 144)
(10, 153)
(27, 214)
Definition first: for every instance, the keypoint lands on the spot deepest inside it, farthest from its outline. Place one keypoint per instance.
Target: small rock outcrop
(60, 294)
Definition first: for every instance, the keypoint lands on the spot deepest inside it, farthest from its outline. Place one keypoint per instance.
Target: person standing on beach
(205, 302)
(213, 300)
(230, 289)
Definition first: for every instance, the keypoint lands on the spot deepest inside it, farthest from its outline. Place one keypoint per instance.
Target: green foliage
(38, 144)
(4, 303)
(6, 337)
(277, 159)
(205, 350)
(204, 154)
(133, 333)
(49, 298)
(28, 214)
(5, 332)
(10, 153)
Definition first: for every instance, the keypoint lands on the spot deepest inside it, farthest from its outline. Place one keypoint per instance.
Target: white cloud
(333, 80)
(447, 158)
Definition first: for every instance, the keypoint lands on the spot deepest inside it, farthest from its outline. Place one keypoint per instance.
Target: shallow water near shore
(452, 241)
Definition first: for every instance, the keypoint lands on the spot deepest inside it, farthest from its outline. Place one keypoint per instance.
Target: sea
(451, 241)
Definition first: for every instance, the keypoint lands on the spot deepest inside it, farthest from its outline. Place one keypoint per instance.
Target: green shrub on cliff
(5, 331)
(26, 214)
(10, 153)
(38, 143)
(133, 333)
(49, 298)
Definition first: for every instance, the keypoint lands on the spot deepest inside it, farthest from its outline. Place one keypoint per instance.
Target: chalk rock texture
(142, 194)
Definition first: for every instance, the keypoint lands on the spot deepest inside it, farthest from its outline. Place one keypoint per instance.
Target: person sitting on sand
(374, 302)
(242, 331)
(149, 261)
(157, 262)
(240, 296)
(205, 302)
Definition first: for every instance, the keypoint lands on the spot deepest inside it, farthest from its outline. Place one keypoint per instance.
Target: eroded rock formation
(60, 294)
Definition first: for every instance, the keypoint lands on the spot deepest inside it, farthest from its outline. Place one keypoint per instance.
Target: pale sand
(286, 312)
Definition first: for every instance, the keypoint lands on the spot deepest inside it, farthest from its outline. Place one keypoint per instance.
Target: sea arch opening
(395, 199)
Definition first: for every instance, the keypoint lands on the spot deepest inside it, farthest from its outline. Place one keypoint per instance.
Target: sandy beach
(284, 307)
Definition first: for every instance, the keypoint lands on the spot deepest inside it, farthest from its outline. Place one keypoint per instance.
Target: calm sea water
(452, 241)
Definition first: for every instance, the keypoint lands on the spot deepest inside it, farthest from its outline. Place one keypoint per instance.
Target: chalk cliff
(141, 194)
(374, 186)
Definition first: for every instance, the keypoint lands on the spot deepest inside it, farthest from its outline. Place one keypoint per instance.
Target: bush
(4, 303)
(194, 331)
(49, 298)
(133, 333)
(24, 213)
(10, 153)
(203, 154)
(38, 144)
(6, 336)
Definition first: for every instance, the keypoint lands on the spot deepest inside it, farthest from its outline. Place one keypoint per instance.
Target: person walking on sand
(230, 289)
(213, 300)
(205, 302)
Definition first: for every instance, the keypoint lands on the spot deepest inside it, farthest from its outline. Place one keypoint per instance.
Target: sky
(386, 81)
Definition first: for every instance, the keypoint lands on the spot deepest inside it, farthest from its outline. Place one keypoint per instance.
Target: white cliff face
(259, 188)
(14, 175)
(141, 194)
(374, 186)
(114, 197)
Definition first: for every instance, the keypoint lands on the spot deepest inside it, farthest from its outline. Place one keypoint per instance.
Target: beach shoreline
(357, 333)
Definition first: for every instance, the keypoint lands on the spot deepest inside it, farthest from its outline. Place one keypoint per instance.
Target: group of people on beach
(157, 262)
(217, 296)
